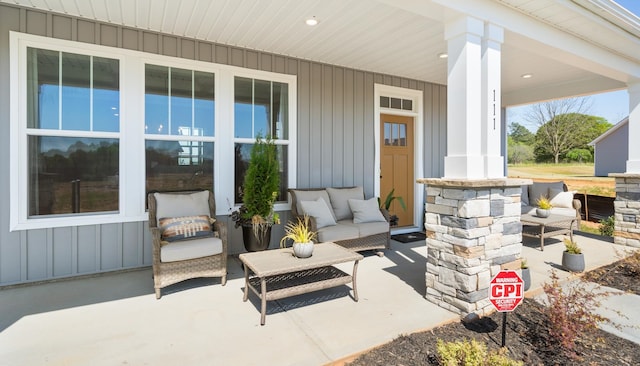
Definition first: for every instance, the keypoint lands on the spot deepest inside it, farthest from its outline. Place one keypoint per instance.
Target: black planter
(253, 243)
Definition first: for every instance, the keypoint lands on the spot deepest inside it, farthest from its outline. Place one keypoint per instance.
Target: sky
(613, 106)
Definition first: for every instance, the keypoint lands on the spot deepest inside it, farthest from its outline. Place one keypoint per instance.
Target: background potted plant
(259, 193)
(526, 274)
(301, 234)
(572, 257)
(544, 207)
(393, 219)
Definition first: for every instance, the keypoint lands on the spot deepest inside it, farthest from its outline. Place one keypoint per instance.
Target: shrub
(571, 311)
(607, 226)
(472, 353)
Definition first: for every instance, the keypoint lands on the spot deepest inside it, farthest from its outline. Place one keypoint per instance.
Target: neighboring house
(104, 101)
(610, 150)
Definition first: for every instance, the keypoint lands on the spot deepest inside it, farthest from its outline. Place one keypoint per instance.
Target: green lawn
(578, 177)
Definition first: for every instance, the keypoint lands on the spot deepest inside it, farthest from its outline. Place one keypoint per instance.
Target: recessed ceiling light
(311, 21)
(443, 55)
(527, 76)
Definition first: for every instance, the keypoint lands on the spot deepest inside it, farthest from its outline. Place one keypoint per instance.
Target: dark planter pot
(573, 262)
(253, 243)
(526, 278)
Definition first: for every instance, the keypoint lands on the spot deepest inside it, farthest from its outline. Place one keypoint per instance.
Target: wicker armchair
(179, 260)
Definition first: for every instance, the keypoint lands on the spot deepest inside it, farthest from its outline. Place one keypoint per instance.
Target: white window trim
(418, 162)
(132, 135)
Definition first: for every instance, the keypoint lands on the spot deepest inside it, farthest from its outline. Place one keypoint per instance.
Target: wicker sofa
(343, 216)
(559, 195)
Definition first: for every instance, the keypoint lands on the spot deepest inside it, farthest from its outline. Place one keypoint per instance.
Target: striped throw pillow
(185, 227)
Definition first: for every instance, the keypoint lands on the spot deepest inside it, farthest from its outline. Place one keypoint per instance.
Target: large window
(261, 108)
(179, 128)
(73, 104)
(94, 129)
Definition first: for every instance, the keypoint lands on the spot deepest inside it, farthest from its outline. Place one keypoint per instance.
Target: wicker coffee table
(276, 274)
(545, 227)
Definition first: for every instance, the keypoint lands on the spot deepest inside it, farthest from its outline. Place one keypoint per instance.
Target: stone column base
(627, 209)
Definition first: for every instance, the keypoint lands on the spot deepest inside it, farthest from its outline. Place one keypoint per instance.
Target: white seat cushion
(369, 228)
(190, 249)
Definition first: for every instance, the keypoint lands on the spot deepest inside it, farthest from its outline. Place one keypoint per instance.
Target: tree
(519, 153)
(521, 134)
(559, 124)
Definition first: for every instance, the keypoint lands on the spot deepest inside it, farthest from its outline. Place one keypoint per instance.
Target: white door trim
(418, 144)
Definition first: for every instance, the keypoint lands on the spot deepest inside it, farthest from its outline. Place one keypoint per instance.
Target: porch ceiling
(402, 37)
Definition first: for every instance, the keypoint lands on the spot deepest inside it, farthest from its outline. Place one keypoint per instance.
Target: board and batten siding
(334, 133)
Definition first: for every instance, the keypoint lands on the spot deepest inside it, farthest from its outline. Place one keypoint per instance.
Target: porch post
(633, 160)
(491, 101)
(464, 87)
(627, 203)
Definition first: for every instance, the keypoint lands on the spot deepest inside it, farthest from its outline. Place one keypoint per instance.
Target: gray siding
(611, 153)
(335, 141)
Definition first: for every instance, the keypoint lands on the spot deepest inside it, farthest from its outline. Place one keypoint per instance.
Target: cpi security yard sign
(506, 291)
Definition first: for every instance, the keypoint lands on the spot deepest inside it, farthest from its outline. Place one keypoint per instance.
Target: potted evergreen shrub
(302, 236)
(544, 207)
(259, 193)
(572, 257)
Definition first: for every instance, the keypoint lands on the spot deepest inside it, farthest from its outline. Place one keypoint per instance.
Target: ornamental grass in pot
(544, 207)
(572, 257)
(302, 236)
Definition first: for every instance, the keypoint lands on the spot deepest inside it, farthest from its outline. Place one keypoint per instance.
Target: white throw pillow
(366, 211)
(560, 198)
(320, 211)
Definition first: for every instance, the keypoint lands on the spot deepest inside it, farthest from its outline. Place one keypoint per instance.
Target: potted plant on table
(572, 257)
(544, 207)
(302, 235)
(393, 219)
(259, 193)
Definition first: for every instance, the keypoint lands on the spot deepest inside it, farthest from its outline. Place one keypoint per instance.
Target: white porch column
(464, 158)
(491, 101)
(633, 160)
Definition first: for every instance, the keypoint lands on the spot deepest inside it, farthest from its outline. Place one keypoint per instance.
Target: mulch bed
(527, 337)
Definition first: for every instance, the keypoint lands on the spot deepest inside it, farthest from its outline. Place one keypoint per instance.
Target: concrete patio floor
(115, 319)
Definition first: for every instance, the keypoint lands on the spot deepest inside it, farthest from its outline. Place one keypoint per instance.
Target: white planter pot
(542, 212)
(303, 250)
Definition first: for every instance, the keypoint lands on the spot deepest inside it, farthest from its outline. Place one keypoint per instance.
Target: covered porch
(115, 319)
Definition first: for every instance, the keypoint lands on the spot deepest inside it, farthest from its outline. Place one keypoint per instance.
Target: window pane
(156, 101)
(243, 111)
(204, 104)
(72, 175)
(280, 122)
(76, 92)
(242, 154)
(387, 133)
(181, 97)
(106, 95)
(396, 103)
(384, 102)
(403, 134)
(43, 92)
(178, 165)
(261, 107)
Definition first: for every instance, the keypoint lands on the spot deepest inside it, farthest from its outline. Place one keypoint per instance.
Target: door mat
(409, 237)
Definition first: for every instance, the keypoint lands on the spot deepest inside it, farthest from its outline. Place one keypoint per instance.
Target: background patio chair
(187, 240)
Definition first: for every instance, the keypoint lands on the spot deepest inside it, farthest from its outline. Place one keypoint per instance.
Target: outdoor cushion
(190, 249)
(176, 205)
(366, 211)
(538, 189)
(184, 227)
(311, 196)
(340, 200)
(531, 210)
(320, 211)
(560, 198)
(368, 228)
(337, 232)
